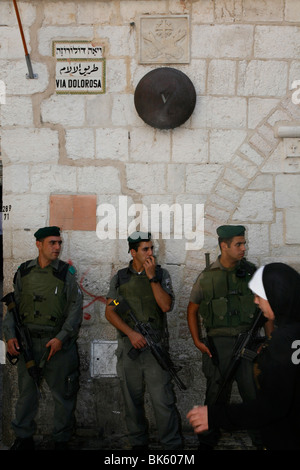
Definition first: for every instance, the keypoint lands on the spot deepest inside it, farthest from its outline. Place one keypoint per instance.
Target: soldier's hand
(137, 340)
(13, 347)
(149, 266)
(55, 345)
(198, 418)
(204, 349)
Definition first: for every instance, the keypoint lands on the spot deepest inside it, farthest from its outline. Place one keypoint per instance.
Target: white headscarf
(256, 283)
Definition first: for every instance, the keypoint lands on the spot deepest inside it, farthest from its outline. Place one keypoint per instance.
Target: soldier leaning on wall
(50, 305)
(276, 409)
(226, 304)
(147, 288)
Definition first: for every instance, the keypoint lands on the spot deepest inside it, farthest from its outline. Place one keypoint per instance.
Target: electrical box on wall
(291, 138)
(103, 358)
(292, 147)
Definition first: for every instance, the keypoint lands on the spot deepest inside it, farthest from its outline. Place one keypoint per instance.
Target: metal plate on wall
(165, 98)
(103, 358)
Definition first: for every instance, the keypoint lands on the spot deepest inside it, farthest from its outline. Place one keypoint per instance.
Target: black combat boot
(61, 445)
(26, 443)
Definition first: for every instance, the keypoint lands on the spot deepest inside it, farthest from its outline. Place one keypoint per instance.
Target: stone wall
(229, 156)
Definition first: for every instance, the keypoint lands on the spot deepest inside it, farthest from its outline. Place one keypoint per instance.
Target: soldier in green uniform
(50, 305)
(226, 305)
(147, 289)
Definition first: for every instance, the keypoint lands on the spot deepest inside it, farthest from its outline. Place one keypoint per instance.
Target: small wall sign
(80, 67)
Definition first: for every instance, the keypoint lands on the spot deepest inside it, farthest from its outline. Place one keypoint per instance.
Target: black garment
(276, 410)
(282, 287)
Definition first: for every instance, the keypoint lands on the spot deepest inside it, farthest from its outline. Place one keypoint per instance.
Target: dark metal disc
(165, 98)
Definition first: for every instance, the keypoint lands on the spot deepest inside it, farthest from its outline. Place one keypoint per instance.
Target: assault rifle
(24, 340)
(159, 352)
(243, 348)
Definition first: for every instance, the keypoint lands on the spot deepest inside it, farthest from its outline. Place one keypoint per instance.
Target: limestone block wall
(228, 156)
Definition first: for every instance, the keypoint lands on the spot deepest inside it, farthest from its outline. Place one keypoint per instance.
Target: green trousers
(62, 376)
(134, 375)
(244, 378)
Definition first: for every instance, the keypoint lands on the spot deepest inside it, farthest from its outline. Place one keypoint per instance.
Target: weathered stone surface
(227, 158)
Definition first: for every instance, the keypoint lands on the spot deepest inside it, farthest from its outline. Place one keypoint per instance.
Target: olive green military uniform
(50, 305)
(226, 306)
(136, 289)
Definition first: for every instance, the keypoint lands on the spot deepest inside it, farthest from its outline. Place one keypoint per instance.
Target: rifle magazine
(248, 354)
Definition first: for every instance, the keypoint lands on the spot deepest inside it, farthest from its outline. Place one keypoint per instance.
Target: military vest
(227, 300)
(43, 299)
(137, 291)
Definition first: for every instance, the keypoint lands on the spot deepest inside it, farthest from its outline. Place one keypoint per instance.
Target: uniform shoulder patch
(72, 270)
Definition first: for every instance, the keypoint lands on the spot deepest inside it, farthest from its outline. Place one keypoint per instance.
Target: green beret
(136, 237)
(229, 231)
(47, 232)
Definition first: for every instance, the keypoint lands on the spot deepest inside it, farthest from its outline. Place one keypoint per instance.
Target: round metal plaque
(165, 98)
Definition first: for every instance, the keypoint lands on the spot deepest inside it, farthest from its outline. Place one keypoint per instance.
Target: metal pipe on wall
(27, 56)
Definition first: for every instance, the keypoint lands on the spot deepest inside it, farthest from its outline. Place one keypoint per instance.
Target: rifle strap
(123, 275)
(60, 272)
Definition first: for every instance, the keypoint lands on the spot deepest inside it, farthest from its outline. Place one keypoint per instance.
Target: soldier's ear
(223, 245)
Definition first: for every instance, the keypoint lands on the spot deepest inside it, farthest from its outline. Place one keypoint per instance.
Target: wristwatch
(153, 279)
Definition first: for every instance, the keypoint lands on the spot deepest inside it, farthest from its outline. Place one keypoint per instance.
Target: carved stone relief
(164, 39)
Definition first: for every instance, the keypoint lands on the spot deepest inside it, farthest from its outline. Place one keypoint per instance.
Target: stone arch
(246, 163)
(234, 184)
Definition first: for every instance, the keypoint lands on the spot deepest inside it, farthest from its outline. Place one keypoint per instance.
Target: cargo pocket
(119, 351)
(248, 308)
(219, 309)
(119, 365)
(72, 385)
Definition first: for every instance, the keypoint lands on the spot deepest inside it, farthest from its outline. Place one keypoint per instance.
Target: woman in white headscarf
(276, 410)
